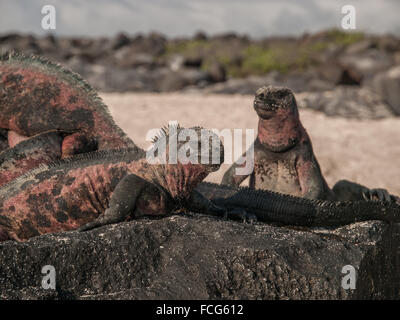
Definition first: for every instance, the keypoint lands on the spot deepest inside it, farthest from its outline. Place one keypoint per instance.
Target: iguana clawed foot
(99, 222)
(240, 214)
(376, 195)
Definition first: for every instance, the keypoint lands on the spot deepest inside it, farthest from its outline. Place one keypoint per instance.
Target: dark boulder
(387, 84)
(217, 72)
(367, 63)
(128, 57)
(348, 102)
(176, 80)
(199, 257)
(120, 40)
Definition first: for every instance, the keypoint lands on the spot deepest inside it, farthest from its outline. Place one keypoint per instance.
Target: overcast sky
(184, 17)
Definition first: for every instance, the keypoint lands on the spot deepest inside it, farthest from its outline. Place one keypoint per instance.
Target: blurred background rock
(340, 73)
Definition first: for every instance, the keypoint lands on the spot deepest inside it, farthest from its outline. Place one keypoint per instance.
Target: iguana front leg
(310, 179)
(3, 235)
(199, 203)
(376, 194)
(76, 143)
(345, 190)
(123, 201)
(230, 177)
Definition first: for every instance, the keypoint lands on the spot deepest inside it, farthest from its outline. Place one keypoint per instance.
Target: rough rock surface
(298, 82)
(197, 257)
(345, 101)
(387, 84)
(366, 63)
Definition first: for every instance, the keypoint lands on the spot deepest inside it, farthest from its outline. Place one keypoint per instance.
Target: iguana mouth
(265, 110)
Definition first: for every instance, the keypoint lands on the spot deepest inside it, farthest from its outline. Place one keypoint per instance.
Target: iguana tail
(289, 210)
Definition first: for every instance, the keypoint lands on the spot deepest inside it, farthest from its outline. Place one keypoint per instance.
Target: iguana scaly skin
(284, 159)
(284, 209)
(37, 95)
(98, 188)
(43, 148)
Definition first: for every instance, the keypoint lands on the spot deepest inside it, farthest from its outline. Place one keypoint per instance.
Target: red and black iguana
(284, 160)
(37, 95)
(92, 189)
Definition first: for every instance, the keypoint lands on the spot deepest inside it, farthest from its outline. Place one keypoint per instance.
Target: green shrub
(240, 59)
(186, 47)
(260, 60)
(344, 38)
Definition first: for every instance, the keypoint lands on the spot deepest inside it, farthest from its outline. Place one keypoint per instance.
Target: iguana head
(279, 127)
(270, 102)
(191, 154)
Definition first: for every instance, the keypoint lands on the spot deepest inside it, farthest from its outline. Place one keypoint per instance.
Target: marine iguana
(40, 149)
(284, 160)
(283, 209)
(37, 95)
(92, 189)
